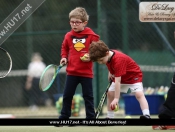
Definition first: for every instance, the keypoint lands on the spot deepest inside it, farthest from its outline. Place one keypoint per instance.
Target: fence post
(124, 26)
(96, 64)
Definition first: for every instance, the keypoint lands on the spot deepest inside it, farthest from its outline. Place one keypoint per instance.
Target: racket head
(48, 76)
(5, 63)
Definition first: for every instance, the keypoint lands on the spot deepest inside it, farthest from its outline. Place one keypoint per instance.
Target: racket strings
(5, 63)
(47, 78)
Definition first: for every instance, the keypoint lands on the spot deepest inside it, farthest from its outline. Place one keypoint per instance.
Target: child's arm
(64, 49)
(64, 52)
(117, 92)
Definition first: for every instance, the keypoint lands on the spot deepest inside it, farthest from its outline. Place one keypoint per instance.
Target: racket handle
(62, 64)
(110, 81)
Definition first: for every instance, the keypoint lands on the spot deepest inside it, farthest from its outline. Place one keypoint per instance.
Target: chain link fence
(117, 23)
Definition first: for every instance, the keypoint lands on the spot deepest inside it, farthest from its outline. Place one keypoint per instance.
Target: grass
(76, 129)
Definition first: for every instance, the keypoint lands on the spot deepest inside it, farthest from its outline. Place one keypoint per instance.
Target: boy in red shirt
(74, 53)
(124, 71)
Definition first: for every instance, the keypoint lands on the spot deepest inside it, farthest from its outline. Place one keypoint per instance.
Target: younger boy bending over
(124, 71)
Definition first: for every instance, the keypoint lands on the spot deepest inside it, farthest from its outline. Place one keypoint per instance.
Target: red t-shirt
(122, 65)
(73, 46)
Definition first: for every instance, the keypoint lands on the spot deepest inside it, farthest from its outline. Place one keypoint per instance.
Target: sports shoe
(159, 127)
(145, 117)
(163, 127)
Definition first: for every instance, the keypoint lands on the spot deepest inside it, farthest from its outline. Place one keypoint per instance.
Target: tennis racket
(102, 100)
(48, 76)
(5, 63)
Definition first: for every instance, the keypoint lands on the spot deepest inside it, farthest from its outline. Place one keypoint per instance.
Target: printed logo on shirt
(136, 79)
(79, 43)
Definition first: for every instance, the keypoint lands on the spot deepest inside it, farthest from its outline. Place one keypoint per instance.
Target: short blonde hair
(79, 13)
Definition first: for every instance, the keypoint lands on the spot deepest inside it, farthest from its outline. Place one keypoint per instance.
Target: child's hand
(63, 61)
(85, 57)
(114, 103)
(110, 76)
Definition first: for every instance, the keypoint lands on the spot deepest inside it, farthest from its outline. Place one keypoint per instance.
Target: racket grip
(62, 64)
(110, 81)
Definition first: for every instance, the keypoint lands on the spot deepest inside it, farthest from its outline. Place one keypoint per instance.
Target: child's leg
(137, 89)
(88, 97)
(110, 97)
(69, 91)
(143, 102)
